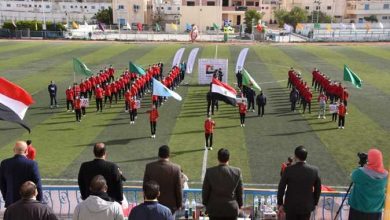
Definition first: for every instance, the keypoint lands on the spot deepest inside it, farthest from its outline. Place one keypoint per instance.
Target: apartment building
(357, 10)
(51, 10)
(132, 12)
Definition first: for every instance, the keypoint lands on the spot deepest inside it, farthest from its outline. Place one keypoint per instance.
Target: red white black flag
(14, 102)
(224, 92)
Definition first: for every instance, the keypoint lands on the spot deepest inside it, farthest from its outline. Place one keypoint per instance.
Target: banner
(241, 59)
(191, 60)
(84, 102)
(178, 56)
(207, 67)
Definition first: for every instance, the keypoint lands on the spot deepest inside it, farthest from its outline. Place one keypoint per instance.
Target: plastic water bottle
(186, 207)
(262, 206)
(256, 207)
(269, 203)
(193, 208)
(274, 202)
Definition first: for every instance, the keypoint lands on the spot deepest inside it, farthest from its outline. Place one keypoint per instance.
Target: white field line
(204, 164)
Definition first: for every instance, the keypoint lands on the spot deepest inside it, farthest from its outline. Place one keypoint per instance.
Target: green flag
(80, 68)
(350, 76)
(158, 28)
(215, 26)
(248, 81)
(136, 69)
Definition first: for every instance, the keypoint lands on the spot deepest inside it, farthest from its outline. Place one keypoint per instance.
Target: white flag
(353, 27)
(191, 60)
(381, 25)
(178, 56)
(160, 90)
(241, 59)
(128, 26)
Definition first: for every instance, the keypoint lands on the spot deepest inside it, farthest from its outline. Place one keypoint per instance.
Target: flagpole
(74, 77)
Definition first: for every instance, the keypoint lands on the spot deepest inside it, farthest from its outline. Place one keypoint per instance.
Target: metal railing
(64, 199)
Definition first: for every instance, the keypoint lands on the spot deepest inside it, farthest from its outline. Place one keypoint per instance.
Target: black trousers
(209, 139)
(260, 111)
(223, 218)
(305, 103)
(153, 125)
(295, 216)
(242, 118)
(293, 105)
(78, 114)
(334, 117)
(357, 215)
(53, 99)
(126, 105)
(99, 104)
(251, 103)
(155, 103)
(132, 113)
(341, 121)
(109, 98)
(89, 94)
(115, 95)
(83, 110)
(69, 103)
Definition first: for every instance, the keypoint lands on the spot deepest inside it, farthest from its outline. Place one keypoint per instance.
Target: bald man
(15, 171)
(99, 166)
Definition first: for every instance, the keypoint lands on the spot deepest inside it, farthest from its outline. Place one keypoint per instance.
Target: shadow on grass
(302, 132)
(173, 154)
(61, 129)
(114, 142)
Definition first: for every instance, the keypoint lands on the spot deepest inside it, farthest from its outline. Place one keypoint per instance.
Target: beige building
(132, 12)
(202, 16)
(357, 10)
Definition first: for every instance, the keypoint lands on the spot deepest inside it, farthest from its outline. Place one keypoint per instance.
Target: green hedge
(32, 25)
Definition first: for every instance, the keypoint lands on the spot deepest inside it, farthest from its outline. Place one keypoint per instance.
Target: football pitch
(258, 149)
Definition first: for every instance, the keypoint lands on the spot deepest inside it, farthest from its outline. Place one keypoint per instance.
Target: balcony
(367, 12)
(241, 8)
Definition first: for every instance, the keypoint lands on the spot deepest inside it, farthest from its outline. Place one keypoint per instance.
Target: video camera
(362, 158)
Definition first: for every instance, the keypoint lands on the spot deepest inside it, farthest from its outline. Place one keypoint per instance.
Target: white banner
(191, 60)
(178, 56)
(207, 67)
(241, 59)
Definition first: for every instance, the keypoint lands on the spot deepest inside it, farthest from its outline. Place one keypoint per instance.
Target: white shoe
(131, 122)
(319, 117)
(126, 111)
(154, 136)
(342, 127)
(72, 110)
(151, 136)
(339, 127)
(210, 148)
(324, 117)
(240, 125)
(243, 125)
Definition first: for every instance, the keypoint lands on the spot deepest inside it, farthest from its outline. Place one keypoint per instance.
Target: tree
(104, 16)
(251, 15)
(295, 16)
(322, 17)
(371, 18)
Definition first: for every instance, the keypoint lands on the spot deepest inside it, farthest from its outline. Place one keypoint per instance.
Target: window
(29, 6)
(210, 3)
(47, 6)
(257, 4)
(262, 7)
(92, 7)
(71, 6)
(307, 7)
(386, 6)
(40, 6)
(366, 7)
(102, 7)
(250, 4)
(178, 8)
(75, 6)
(329, 7)
(169, 8)
(63, 7)
(85, 7)
(121, 7)
(190, 3)
(318, 7)
(8, 5)
(384, 17)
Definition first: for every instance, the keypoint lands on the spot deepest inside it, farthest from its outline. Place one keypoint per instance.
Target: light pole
(44, 18)
(318, 2)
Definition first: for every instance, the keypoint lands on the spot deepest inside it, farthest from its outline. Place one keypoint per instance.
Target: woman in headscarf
(368, 192)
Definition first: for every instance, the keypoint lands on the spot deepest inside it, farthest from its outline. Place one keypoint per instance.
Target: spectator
(294, 96)
(31, 152)
(222, 189)
(303, 188)
(52, 89)
(99, 205)
(261, 101)
(151, 209)
(368, 192)
(28, 207)
(99, 166)
(286, 164)
(184, 179)
(167, 175)
(17, 170)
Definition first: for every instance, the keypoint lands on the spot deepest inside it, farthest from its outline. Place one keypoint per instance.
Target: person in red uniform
(341, 112)
(127, 99)
(132, 109)
(209, 126)
(77, 108)
(286, 164)
(308, 96)
(242, 109)
(155, 101)
(99, 98)
(107, 95)
(114, 92)
(153, 116)
(83, 89)
(345, 96)
(69, 98)
(31, 152)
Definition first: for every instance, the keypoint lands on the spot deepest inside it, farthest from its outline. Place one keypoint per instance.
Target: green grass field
(258, 149)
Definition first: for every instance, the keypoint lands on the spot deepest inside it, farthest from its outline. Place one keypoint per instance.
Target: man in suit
(222, 189)
(167, 175)
(28, 207)
(99, 166)
(303, 188)
(17, 170)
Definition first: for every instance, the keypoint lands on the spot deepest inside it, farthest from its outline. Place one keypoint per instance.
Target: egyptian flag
(224, 92)
(14, 102)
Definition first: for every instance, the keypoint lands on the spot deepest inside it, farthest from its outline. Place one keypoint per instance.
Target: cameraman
(368, 192)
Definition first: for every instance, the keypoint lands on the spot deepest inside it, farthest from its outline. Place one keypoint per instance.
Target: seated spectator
(151, 208)
(98, 205)
(28, 207)
(31, 152)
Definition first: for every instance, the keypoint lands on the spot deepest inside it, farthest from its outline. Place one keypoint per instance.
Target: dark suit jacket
(108, 170)
(222, 191)
(13, 173)
(167, 175)
(303, 188)
(29, 209)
